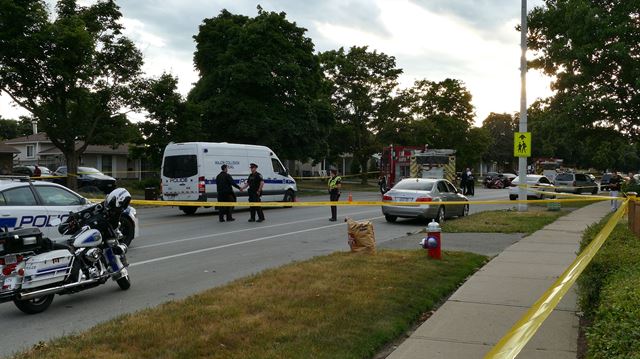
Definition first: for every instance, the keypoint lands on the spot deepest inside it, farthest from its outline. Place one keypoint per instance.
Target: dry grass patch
(337, 306)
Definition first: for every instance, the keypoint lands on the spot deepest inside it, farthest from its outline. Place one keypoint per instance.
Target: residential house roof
(91, 149)
(8, 149)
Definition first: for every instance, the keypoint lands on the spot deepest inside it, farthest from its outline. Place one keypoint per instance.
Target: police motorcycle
(33, 269)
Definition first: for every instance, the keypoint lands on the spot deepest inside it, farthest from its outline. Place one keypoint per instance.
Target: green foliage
(169, 119)
(73, 71)
(590, 49)
(11, 129)
(355, 167)
(620, 252)
(615, 332)
(501, 127)
(261, 83)
(361, 92)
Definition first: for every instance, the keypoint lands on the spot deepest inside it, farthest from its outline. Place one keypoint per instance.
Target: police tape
(519, 335)
(354, 203)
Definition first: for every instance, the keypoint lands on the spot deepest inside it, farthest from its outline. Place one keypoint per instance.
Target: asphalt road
(178, 255)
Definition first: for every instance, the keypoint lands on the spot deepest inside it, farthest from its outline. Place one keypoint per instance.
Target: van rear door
(180, 177)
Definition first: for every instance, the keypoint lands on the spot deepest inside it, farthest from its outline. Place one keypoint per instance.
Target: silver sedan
(431, 192)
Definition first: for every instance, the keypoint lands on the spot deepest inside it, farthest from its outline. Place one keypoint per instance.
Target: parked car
(89, 179)
(575, 183)
(25, 203)
(430, 191)
(539, 187)
(30, 171)
(604, 182)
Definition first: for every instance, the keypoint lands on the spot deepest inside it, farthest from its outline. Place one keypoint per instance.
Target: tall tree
(74, 71)
(446, 109)
(260, 83)
(11, 128)
(362, 90)
(169, 119)
(592, 50)
(501, 127)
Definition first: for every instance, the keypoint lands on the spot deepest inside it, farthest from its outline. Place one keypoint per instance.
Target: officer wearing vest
(335, 183)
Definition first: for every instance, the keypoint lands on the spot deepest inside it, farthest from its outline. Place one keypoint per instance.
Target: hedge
(609, 294)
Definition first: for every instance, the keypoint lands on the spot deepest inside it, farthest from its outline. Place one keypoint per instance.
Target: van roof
(220, 144)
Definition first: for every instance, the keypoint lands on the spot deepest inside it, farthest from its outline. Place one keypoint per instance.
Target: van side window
(277, 166)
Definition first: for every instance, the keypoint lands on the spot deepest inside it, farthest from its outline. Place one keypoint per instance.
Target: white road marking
(235, 244)
(237, 231)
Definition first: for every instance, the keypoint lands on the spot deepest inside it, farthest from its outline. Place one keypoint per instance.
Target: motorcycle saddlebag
(21, 240)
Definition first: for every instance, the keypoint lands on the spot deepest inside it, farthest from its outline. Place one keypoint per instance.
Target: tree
(74, 72)
(11, 128)
(591, 49)
(362, 84)
(260, 83)
(169, 119)
(501, 128)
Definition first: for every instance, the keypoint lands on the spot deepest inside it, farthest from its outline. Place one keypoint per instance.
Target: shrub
(615, 332)
(620, 251)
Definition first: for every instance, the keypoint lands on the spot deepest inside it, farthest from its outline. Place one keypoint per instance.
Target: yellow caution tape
(353, 203)
(517, 337)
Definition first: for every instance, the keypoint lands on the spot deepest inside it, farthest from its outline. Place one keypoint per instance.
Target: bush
(616, 329)
(620, 251)
(609, 293)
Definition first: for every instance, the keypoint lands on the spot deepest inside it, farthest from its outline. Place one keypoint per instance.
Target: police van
(189, 172)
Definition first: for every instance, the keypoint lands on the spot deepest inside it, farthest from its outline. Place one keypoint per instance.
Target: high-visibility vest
(333, 182)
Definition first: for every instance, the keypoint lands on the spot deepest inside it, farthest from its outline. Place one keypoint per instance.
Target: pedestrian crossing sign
(522, 144)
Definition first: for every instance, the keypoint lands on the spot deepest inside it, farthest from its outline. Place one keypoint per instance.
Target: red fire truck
(395, 162)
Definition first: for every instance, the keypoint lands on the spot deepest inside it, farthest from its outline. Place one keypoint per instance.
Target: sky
(474, 41)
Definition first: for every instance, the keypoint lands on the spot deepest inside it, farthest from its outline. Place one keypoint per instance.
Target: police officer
(224, 185)
(335, 183)
(255, 182)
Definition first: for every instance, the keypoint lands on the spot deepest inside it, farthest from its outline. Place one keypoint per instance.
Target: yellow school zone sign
(522, 144)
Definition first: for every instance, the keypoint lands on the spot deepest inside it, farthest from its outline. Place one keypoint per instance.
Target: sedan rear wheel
(390, 218)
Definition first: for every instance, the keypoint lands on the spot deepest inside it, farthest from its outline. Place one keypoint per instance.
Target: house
(6, 158)
(38, 149)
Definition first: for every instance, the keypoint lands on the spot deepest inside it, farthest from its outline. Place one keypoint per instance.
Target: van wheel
(289, 196)
(390, 218)
(188, 210)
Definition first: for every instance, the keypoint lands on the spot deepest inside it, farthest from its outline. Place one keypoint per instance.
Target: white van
(189, 172)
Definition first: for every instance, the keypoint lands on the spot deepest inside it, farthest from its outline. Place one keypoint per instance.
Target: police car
(25, 203)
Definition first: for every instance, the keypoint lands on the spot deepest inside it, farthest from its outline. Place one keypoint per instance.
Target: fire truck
(398, 162)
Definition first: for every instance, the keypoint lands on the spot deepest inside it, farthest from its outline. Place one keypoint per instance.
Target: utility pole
(522, 161)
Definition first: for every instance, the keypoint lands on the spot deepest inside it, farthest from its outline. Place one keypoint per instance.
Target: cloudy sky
(470, 40)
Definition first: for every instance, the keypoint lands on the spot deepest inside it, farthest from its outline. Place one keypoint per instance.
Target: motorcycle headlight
(93, 254)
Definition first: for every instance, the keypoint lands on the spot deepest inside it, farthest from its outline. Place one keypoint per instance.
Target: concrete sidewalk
(485, 307)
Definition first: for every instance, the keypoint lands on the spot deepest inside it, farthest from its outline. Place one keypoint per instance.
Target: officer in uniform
(335, 183)
(224, 185)
(255, 182)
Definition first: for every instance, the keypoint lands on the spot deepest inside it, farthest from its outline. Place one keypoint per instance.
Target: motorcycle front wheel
(34, 306)
(124, 283)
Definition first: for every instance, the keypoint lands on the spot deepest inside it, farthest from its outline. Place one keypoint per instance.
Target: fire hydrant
(432, 242)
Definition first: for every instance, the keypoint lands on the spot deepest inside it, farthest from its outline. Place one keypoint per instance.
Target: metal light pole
(522, 161)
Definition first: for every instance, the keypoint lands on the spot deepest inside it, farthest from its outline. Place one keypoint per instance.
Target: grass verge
(337, 306)
(609, 292)
(503, 221)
